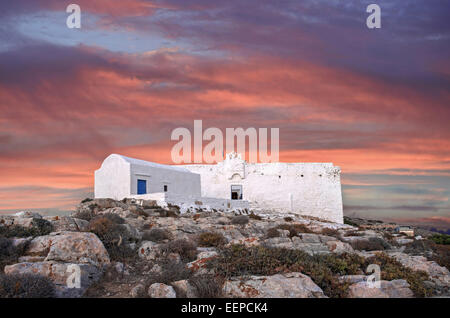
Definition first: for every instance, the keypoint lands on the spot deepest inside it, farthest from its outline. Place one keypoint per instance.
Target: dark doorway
(236, 192)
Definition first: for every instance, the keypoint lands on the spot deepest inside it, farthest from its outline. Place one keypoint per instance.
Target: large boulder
(289, 285)
(388, 289)
(63, 275)
(70, 247)
(439, 274)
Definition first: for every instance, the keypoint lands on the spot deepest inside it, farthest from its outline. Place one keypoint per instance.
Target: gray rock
(388, 289)
(63, 275)
(159, 290)
(438, 274)
(290, 285)
(70, 247)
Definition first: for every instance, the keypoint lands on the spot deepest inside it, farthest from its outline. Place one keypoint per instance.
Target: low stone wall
(192, 204)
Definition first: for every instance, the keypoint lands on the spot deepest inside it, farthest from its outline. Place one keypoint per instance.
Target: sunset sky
(374, 102)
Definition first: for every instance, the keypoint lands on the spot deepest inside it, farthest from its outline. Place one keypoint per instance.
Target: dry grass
(213, 239)
(185, 248)
(26, 286)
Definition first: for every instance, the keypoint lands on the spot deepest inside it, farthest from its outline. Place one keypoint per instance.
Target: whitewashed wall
(178, 180)
(112, 180)
(118, 175)
(304, 188)
(312, 189)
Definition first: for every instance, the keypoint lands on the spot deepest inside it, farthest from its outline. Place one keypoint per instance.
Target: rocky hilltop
(130, 248)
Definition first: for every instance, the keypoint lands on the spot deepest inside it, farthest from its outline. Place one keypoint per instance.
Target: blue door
(142, 187)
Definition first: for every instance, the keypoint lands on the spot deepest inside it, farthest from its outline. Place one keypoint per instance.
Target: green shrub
(214, 239)
(101, 226)
(156, 235)
(240, 220)
(439, 253)
(26, 286)
(42, 227)
(114, 218)
(272, 232)
(38, 227)
(324, 269)
(86, 215)
(442, 239)
(114, 237)
(171, 271)
(371, 244)
(121, 253)
(10, 253)
(207, 286)
(239, 260)
(349, 222)
(185, 248)
(294, 229)
(392, 269)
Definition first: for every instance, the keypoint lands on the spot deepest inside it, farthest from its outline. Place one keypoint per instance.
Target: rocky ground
(113, 248)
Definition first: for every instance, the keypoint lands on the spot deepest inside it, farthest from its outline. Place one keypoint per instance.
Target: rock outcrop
(290, 285)
(388, 289)
(143, 261)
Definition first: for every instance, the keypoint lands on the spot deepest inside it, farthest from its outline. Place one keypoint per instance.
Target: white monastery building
(312, 189)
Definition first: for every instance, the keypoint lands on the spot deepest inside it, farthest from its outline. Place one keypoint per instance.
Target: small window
(165, 188)
(236, 192)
